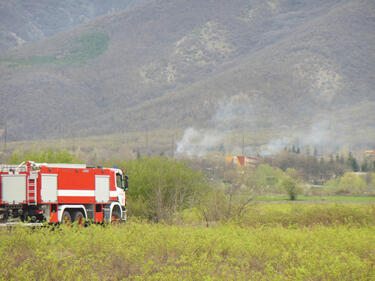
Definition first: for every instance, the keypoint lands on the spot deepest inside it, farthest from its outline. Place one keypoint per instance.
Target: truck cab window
(119, 180)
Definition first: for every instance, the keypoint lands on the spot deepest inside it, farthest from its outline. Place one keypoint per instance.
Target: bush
(159, 187)
(291, 187)
(268, 177)
(351, 183)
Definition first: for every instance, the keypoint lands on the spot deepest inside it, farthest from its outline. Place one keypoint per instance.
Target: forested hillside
(22, 21)
(238, 65)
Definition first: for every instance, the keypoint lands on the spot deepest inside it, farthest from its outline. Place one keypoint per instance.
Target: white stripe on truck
(83, 193)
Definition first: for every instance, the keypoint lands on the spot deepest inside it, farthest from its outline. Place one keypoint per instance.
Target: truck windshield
(119, 180)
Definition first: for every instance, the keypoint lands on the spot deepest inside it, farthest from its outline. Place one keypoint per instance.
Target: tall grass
(280, 214)
(140, 250)
(303, 214)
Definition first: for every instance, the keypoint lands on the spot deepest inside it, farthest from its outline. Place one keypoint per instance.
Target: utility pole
(243, 145)
(5, 129)
(172, 146)
(5, 136)
(147, 148)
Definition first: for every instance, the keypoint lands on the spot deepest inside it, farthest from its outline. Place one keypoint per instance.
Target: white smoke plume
(320, 134)
(232, 113)
(275, 146)
(196, 142)
(247, 112)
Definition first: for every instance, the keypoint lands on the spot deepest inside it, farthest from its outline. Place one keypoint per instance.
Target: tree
(267, 177)
(43, 156)
(160, 187)
(315, 152)
(337, 158)
(352, 162)
(331, 159)
(291, 187)
(351, 183)
(364, 166)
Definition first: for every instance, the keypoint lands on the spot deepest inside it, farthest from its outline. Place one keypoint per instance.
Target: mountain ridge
(275, 64)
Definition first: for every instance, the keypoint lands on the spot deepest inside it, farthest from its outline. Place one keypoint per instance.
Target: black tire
(79, 217)
(66, 218)
(116, 216)
(4, 216)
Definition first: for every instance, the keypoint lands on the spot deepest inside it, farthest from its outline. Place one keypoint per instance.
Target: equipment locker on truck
(58, 193)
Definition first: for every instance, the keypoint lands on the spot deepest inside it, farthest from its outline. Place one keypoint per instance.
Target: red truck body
(62, 192)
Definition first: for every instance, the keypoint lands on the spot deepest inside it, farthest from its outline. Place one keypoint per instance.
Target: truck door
(120, 188)
(101, 189)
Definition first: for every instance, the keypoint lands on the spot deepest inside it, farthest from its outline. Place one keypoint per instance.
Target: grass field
(302, 198)
(338, 249)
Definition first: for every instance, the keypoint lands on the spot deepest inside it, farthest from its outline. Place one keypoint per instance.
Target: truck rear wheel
(79, 217)
(66, 218)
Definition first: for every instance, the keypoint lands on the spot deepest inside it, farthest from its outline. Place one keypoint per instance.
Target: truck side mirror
(126, 185)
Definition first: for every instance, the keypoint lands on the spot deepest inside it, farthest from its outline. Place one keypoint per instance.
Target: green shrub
(290, 186)
(160, 187)
(351, 183)
(268, 177)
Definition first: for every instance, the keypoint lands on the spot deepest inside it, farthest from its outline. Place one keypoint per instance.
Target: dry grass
(143, 251)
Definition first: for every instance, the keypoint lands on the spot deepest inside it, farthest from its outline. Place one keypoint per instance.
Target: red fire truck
(58, 193)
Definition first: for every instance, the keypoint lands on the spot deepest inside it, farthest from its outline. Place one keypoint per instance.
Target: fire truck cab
(58, 193)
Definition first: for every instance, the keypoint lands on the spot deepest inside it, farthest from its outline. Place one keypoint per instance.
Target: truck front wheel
(116, 216)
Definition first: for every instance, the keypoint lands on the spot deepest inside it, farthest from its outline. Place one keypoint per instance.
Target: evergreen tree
(355, 165)
(342, 160)
(364, 166)
(321, 162)
(352, 162)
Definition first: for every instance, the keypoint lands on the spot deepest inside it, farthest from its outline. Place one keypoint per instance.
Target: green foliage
(351, 183)
(43, 156)
(215, 206)
(308, 168)
(352, 162)
(148, 251)
(290, 186)
(160, 187)
(333, 183)
(79, 51)
(285, 214)
(87, 47)
(267, 177)
(310, 214)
